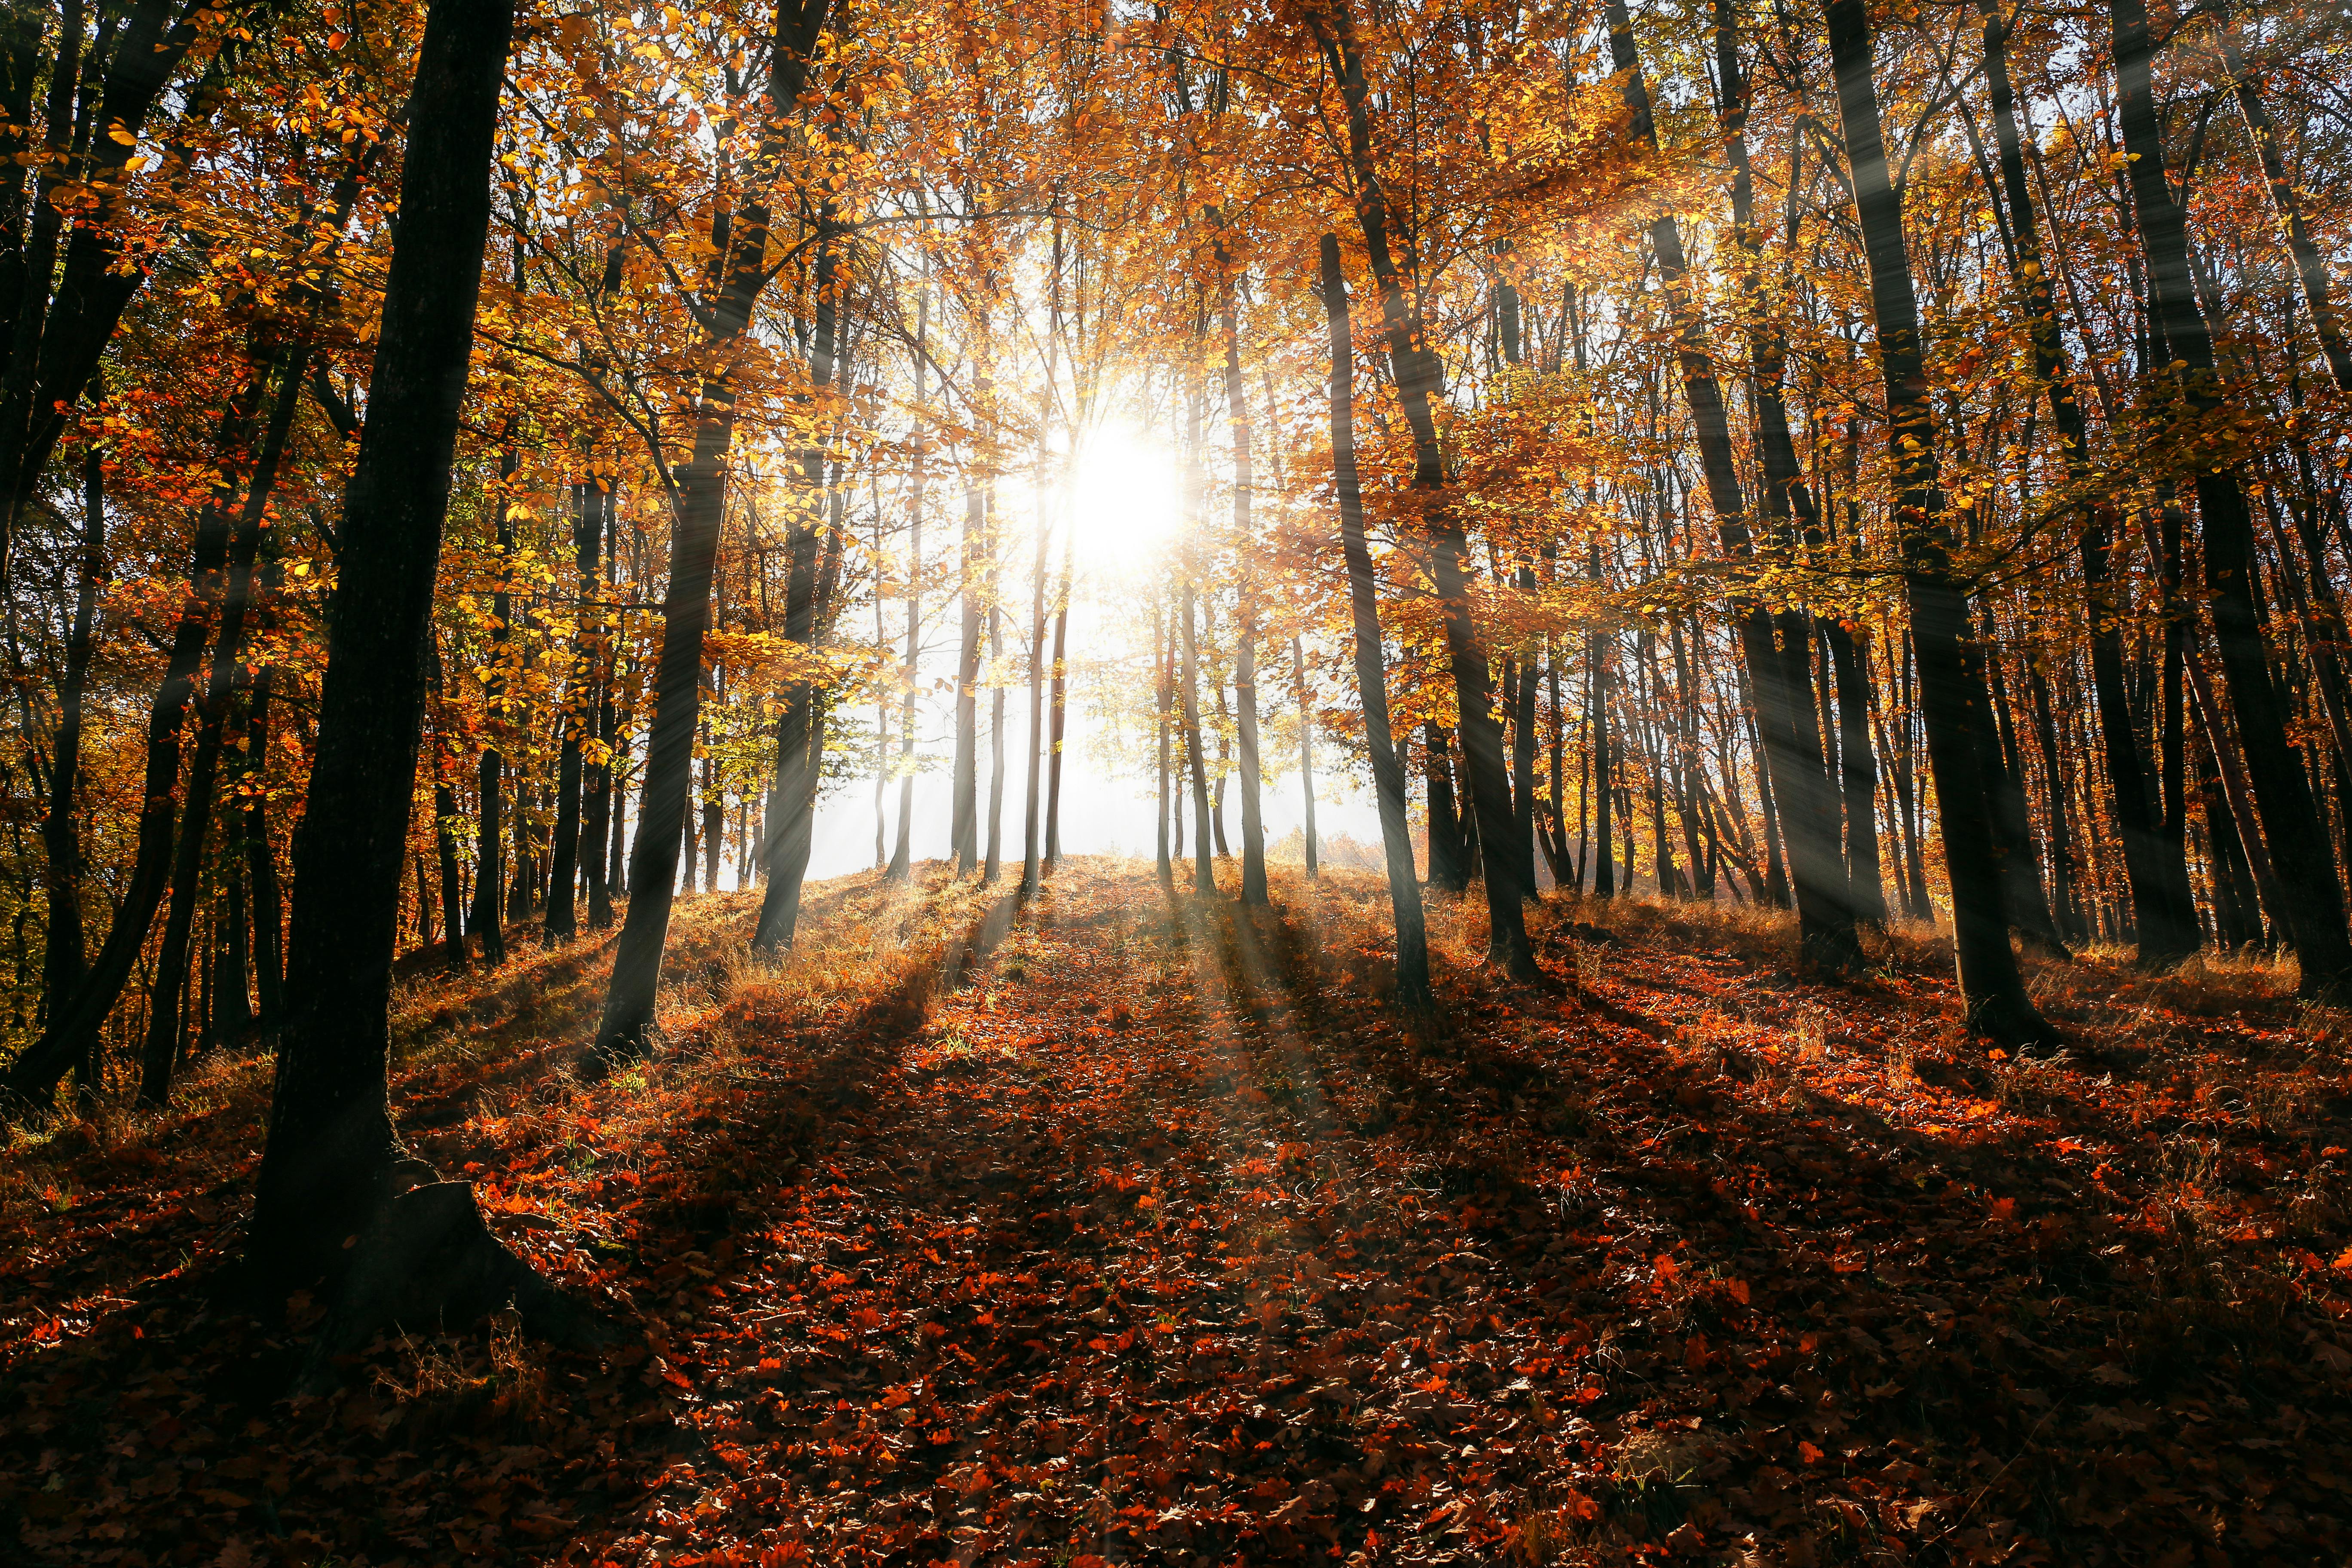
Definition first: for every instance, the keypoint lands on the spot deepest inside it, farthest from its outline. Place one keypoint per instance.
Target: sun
(1127, 497)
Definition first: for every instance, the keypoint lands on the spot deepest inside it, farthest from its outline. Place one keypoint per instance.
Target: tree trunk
(1372, 665)
(1992, 990)
(697, 514)
(1416, 371)
(1802, 789)
(488, 920)
(1866, 887)
(901, 867)
(797, 778)
(2154, 867)
(964, 812)
(1204, 871)
(327, 1170)
(1253, 889)
(580, 705)
(63, 943)
(1059, 729)
(1306, 751)
(993, 861)
(1449, 854)
(1032, 803)
(70, 1034)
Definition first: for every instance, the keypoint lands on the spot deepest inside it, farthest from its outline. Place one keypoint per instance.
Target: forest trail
(1122, 1226)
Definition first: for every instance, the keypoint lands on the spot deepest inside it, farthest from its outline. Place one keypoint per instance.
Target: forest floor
(1123, 1227)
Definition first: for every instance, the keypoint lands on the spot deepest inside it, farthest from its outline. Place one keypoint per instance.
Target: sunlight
(1127, 497)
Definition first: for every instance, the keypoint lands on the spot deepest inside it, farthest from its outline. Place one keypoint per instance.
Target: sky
(1127, 498)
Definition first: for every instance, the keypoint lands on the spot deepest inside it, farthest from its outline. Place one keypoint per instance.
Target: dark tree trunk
(1802, 789)
(2013, 820)
(1859, 773)
(228, 680)
(1523, 767)
(69, 1036)
(580, 709)
(1372, 665)
(1416, 372)
(964, 810)
(2312, 899)
(261, 864)
(327, 1170)
(2064, 871)
(1449, 854)
(64, 950)
(797, 774)
(1253, 889)
(697, 514)
(2154, 866)
(1605, 865)
(1958, 734)
(1204, 872)
(488, 920)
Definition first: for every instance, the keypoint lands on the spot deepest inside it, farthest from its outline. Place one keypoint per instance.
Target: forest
(1081, 782)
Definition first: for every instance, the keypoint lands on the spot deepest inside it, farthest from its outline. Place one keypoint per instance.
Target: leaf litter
(1122, 1226)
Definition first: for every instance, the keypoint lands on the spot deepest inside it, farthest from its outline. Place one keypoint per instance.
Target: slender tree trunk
(1245, 740)
(327, 1169)
(2154, 866)
(1596, 696)
(1058, 727)
(1204, 872)
(2064, 872)
(1416, 372)
(964, 815)
(1305, 750)
(1782, 688)
(798, 746)
(1033, 805)
(1860, 775)
(1449, 852)
(579, 717)
(696, 516)
(994, 861)
(902, 862)
(63, 943)
(1991, 988)
(489, 921)
(1372, 665)
(2013, 821)
(1163, 661)
(2312, 897)
(1523, 773)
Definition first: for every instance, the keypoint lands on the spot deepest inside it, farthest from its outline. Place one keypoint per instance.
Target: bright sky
(1127, 496)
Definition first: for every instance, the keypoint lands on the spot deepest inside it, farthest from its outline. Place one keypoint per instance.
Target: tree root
(430, 1261)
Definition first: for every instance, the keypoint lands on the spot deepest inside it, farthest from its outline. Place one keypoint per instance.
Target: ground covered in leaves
(1123, 1227)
